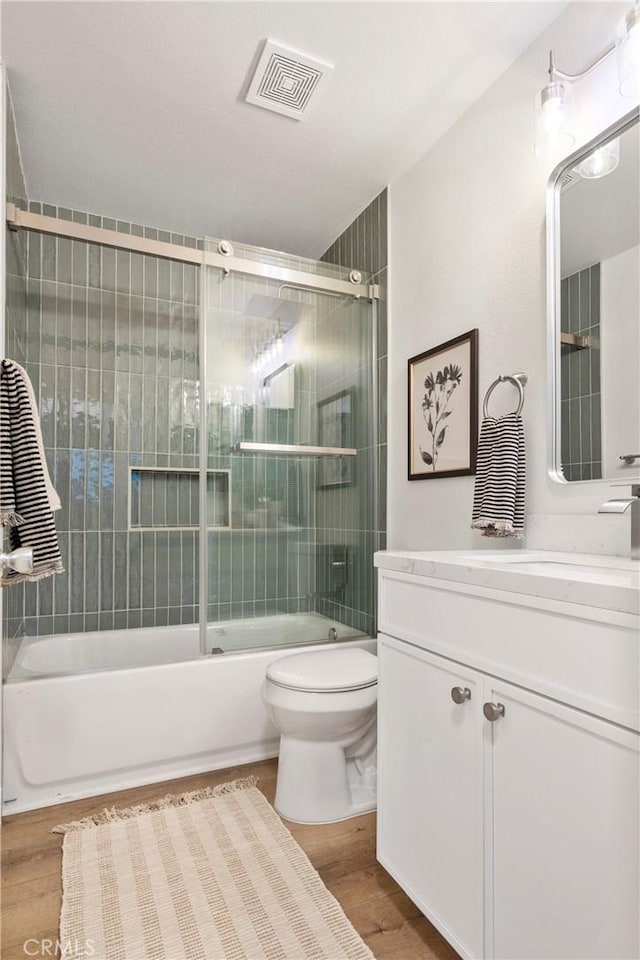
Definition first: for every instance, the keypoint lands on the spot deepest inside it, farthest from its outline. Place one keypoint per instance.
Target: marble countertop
(610, 583)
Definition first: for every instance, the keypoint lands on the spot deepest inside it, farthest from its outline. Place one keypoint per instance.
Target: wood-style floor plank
(342, 853)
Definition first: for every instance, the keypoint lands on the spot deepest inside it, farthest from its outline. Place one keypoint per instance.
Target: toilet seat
(325, 671)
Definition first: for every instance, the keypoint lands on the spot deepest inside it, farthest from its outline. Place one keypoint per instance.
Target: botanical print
(443, 409)
(435, 403)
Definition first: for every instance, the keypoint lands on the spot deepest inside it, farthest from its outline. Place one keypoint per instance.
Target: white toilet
(324, 705)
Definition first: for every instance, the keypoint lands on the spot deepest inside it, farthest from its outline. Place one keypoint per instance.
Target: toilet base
(317, 784)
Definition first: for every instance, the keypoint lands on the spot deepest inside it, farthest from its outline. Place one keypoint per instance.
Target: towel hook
(519, 380)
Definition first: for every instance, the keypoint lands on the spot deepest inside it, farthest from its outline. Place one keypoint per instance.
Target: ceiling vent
(287, 82)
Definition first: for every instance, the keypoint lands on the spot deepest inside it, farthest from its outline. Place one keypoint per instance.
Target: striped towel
(498, 500)
(27, 497)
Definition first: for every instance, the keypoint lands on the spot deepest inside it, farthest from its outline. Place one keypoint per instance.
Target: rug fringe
(111, 814)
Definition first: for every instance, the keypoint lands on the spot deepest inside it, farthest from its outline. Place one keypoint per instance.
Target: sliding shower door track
(18, 219)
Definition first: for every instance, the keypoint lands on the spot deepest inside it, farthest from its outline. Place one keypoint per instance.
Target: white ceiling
(136, 110)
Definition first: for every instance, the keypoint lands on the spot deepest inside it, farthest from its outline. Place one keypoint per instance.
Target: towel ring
(518, 381)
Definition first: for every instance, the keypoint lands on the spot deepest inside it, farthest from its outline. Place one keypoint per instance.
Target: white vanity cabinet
(507, 811)
(430, 824)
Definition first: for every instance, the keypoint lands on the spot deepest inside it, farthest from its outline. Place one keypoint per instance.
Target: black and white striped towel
(27, 497)
(498, 500)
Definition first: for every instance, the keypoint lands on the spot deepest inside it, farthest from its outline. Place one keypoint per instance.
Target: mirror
(593, 234)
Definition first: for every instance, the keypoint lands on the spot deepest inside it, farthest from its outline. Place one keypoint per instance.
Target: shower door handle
(20, 560)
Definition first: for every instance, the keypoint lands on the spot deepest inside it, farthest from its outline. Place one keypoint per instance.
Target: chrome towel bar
(519, 380)
(294, 449)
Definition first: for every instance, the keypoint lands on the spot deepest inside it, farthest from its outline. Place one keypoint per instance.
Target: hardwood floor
(342, 853)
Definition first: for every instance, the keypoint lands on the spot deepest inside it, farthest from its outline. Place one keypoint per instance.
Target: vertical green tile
(94, 330)
(107, 426)
(574, 303)
(79, 326)
(148, 570)
(163, 335)
(63, 324)
(151, 277)
(123, 271)
(135, 570)
(49, 257)
(137, 274)
(121, 576)
(79, 263)
(150, 322)
(93, 490)
(136, 335)
(94, 255)
(34, 255)
(108, 344)
(106, 572)
(108, 278)
(78, 406)
(123, 342)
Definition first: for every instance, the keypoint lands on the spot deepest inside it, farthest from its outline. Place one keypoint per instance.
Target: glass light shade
(554, 120)
(628, 53)
(601, 162)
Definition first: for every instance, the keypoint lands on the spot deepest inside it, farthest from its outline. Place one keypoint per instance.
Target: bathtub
(86, 714)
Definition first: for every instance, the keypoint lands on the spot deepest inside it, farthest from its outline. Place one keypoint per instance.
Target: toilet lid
(325, 671)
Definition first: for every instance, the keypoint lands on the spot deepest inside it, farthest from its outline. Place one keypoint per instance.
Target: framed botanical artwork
(335, 429)
(443, 409)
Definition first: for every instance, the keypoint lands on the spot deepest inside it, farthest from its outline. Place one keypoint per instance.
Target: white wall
(467, 249)
(620, 354)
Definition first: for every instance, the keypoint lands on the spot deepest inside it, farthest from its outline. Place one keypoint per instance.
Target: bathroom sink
(613, 570)
(611, 583)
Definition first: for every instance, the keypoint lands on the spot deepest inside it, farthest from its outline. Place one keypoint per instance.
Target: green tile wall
(580, 427)
(345, 516)
(110, 341)
(266, 563)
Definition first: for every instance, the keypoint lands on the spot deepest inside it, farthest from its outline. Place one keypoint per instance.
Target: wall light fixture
(554, 104)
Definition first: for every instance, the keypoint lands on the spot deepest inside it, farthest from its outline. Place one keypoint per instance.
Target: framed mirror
(593, 307)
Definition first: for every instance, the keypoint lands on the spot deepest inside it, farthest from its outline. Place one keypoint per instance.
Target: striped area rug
(210, 875)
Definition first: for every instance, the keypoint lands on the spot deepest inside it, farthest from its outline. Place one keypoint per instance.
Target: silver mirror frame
(553, 292)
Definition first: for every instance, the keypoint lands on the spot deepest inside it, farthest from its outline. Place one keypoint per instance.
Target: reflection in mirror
(599, 324)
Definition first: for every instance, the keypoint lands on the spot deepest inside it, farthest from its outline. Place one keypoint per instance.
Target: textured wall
(344, 514)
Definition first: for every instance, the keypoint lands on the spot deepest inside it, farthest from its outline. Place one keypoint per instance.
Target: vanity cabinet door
(430, 811)
(564, 831)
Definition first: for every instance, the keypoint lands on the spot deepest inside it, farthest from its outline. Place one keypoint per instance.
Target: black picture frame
(443, 386)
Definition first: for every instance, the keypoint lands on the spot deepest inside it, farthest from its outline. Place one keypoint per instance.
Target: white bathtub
(86, 714)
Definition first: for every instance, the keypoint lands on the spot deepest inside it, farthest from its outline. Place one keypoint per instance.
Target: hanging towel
(27, 496)
(498, 501)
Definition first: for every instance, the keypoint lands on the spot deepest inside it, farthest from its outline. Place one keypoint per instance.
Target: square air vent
(286, 81)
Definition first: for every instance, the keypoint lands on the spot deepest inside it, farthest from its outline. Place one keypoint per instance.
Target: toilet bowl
(324, 705)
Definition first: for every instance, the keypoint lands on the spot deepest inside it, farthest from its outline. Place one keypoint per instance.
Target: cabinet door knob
(493, 711)
(460, 694)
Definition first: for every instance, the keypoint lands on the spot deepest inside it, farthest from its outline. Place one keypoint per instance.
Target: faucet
(621, 506)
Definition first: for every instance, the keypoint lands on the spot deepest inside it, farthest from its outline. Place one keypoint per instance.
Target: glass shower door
(287, 372)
